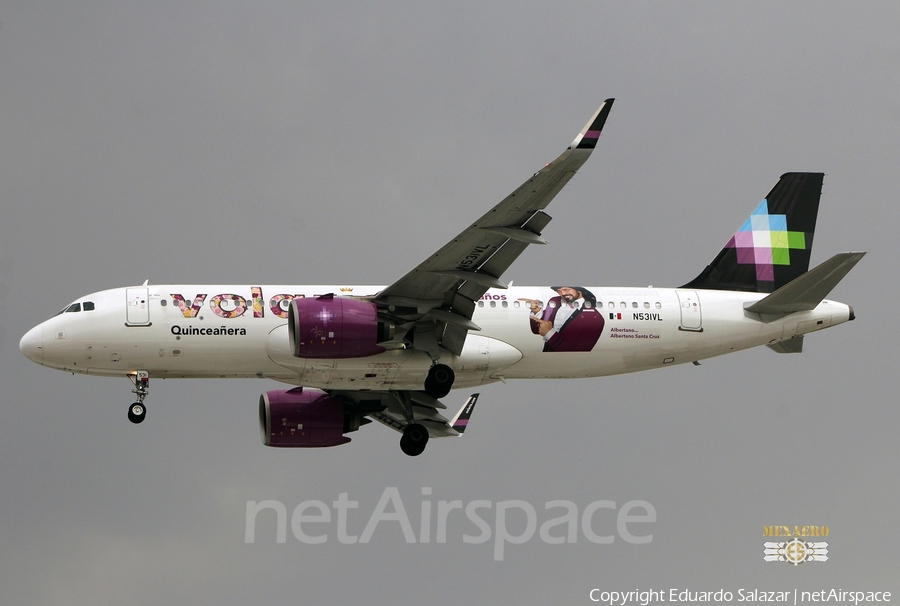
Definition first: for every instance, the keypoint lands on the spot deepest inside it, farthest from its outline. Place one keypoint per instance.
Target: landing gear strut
(415, 435)
(141, 382)
(439, 381)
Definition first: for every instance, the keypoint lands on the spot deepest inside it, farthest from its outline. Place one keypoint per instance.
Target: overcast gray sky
(343, 143)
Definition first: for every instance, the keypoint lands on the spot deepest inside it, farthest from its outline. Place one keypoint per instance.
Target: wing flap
(424, 411)
(397, 422)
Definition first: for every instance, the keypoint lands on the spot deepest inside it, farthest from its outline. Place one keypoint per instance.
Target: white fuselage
(195, 331)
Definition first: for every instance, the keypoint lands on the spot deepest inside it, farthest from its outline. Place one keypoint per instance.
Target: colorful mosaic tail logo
(772, 247)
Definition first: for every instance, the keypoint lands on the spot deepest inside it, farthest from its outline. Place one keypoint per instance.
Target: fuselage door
(691, 317)
(137, 306)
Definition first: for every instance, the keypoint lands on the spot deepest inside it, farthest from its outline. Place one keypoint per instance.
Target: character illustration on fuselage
(570, 322)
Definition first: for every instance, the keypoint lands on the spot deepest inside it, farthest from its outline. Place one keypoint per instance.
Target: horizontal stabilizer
(807, 291)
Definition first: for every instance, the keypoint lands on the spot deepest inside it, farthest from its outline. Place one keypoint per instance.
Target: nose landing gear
(136, 412)
(141, 382)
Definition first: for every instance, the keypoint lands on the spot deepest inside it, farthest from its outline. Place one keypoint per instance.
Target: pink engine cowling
(334, 327)
(301, 418)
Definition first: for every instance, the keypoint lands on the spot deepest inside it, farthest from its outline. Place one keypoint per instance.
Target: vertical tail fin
(773, 246)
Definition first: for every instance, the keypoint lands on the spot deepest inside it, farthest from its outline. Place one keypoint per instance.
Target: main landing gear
(414, 440)
(437, 385)
(141, 382)
(415, 435)
(439, 380)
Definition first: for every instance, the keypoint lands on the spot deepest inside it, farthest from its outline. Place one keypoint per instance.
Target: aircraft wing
(432, 305)
(426, 414)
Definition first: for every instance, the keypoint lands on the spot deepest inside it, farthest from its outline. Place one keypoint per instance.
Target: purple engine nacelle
(334, 327)
(301, 418)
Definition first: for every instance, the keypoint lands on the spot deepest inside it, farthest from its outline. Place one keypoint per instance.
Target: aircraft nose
(32, 345)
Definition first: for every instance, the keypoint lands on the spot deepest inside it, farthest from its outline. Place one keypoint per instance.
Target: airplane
(356, 354)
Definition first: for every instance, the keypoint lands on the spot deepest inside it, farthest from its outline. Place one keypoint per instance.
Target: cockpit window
(86, 306)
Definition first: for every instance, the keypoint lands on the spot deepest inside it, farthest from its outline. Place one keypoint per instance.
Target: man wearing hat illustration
(570, 322)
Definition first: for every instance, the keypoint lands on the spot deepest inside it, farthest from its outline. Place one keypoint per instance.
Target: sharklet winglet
(461, 419)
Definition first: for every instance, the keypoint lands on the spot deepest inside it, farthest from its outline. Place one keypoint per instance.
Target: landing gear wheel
(414, 440)
(136, 412)
(141, 381)
(439, 381)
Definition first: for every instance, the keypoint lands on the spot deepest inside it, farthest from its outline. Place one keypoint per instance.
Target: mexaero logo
(764, 241)
(798, 550)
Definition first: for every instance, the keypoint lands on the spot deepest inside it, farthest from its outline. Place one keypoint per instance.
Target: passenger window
(481, 304)
(516, 304)
(658, 305)
(634, 304)
(74, 307)
(493, 304)
(504, 304)
(88, 306)
(623, 305)
(646, 305)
